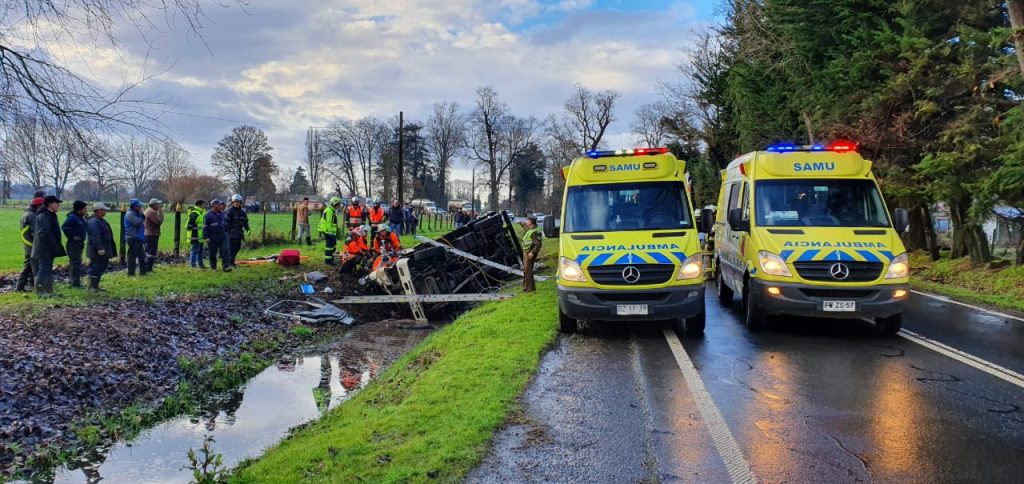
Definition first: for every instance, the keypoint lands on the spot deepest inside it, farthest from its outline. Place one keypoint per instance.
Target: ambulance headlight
(569, 270)
(899, 267)
(692, 267)
(773, 265)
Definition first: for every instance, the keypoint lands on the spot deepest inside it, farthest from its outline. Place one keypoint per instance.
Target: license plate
(839, 306)
(631, 309)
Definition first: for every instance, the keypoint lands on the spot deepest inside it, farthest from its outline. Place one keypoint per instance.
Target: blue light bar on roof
(595, 154)
(836, 146)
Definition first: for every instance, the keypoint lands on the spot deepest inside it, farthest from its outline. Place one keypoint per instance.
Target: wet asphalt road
(810, 400)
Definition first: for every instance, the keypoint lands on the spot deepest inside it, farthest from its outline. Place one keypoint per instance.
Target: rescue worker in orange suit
(355, 214)
(356, 251)
(376, 215)
(386, 245)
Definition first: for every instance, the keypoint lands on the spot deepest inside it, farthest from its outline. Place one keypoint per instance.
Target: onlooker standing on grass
(194, 225)
(135, 235)
(237, 225)
(101, 245)
(154, 219)
(396, 217)
(27, 278)
(215, 232)
(302, 220)
(46, 244)
(531, 250)
(74, 229)
(411, 220)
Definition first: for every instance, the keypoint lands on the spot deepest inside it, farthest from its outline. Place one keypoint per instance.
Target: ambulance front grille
(612, 275)
(821, 270)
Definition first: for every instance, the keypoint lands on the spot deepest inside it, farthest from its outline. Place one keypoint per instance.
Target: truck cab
(627, 241)
(803, 230)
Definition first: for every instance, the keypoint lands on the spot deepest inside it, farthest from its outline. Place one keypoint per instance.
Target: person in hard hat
(27, 276)
(356, 250)
(386, 245)
(355, 214)
(135, 236)
(74, 228)
(215, 232)
(46, 244)
(237, 225)
(101, 246)
(329, 229)
(376, 215)
(531, 250)
(194, 225)
(154, 218)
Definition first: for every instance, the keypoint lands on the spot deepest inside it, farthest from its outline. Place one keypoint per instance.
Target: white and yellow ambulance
(628, 248)
(803, 230)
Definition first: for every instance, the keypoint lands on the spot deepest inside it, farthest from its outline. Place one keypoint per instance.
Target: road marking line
(989, 311)
(965, 358)
(735, 463)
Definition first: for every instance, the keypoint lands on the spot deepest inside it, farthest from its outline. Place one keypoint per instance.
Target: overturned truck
(442, 276)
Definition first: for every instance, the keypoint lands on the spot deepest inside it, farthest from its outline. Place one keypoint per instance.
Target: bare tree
(446, 137)
(368, 137)
(98, 165)
(341, 162)
(518, 135)
(317, 156)
(237, 157)
(588, 114)
(138, 159)
(175, 171)
(60, 147)
(483, 138)
(24, 150)
(649, 123)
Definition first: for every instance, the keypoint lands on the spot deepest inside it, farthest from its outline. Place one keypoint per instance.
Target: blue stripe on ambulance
(887, 254)
(808, 255)
(785, 254)
(681, 256)
(581, 258)
(659, 257)
(599, 260)
(869, 256)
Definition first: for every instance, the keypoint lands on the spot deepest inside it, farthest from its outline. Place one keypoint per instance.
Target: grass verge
(432, 413)
(1002, 287)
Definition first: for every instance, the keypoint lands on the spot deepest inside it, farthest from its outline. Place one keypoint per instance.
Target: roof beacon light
(838, 146)
(842, 146)
(595, 154)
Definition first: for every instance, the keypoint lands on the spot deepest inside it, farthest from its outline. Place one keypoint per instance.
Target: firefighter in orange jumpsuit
(386, 245)
(356, 251)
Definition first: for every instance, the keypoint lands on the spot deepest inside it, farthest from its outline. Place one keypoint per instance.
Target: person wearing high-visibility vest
(355, 214)
(356, 251)
(376, 215)
(531, 249)
(328, 228)
(196, 218)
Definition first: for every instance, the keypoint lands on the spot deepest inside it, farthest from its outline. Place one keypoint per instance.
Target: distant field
(278, 224)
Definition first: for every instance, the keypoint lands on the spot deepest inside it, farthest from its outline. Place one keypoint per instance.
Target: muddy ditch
(76, 381)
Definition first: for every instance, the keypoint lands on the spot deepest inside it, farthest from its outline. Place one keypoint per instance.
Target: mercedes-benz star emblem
(631, 274)
(839, 271)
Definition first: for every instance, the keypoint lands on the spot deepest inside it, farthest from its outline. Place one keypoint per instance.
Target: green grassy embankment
(433, 412)
(1001, 287)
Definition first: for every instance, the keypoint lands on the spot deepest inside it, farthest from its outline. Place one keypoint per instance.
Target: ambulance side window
(734, 196)
(745, 202)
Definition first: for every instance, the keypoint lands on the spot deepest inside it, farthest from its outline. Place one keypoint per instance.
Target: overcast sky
(285, 65)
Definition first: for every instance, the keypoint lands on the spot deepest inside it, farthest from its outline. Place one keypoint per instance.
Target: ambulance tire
(889, 325)
(753, 318)
(695, 325)
(724, 292)
(566, 324)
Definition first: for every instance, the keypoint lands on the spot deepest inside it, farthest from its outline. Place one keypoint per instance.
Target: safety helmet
(135, 202)
(383, 229)
(356, 199)
(359, 231)
(376, 201)
(236, 198)
(334, 201)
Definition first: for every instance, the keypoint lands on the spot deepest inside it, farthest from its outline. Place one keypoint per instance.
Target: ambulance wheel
(566, 324)
(889, 325)
(753, 318)
(724, 292)
(695, 325)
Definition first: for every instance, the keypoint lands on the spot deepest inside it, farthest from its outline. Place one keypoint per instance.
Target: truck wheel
(566, 324)
(695, 325)
(724, 292)
(753, 318)
(889, 325)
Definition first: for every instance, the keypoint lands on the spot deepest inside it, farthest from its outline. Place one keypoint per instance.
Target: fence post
(295, 216)
(177, 229)
(122, 247)
(264, 240)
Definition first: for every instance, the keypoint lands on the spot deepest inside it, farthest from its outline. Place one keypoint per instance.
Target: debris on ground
(321, 312)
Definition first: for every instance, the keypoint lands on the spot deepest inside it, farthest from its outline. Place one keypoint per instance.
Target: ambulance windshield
(627, 206)
(819, 203)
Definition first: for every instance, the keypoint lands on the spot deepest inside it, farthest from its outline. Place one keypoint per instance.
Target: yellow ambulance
(627, 241)
(803, 230)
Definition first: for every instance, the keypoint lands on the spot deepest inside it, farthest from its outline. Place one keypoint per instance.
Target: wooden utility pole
(401, 154)
(1015, 10)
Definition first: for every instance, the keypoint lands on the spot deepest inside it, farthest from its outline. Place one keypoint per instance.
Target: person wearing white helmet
(355, 215)
(376, 215)
(237, 226)
(328, 229)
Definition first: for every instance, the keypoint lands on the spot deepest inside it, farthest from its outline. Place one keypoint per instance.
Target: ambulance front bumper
(810, 300)
(607, 304)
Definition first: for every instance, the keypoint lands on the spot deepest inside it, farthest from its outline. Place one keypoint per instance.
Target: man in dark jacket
(154, 218)
(46, 244)
(215, 233)
(101, 245)
(396, 217)
(27, 277)
(135, 237)
(74, 229)
(237, 225)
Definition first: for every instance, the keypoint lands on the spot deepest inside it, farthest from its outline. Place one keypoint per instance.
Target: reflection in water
(243, 422)
(897, 426)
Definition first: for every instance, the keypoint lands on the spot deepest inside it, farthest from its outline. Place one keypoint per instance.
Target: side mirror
(550, 229)
(736, 220)
(707, 220)
(900, 220)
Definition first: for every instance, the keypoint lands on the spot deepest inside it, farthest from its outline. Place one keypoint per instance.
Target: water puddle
(243, 423)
